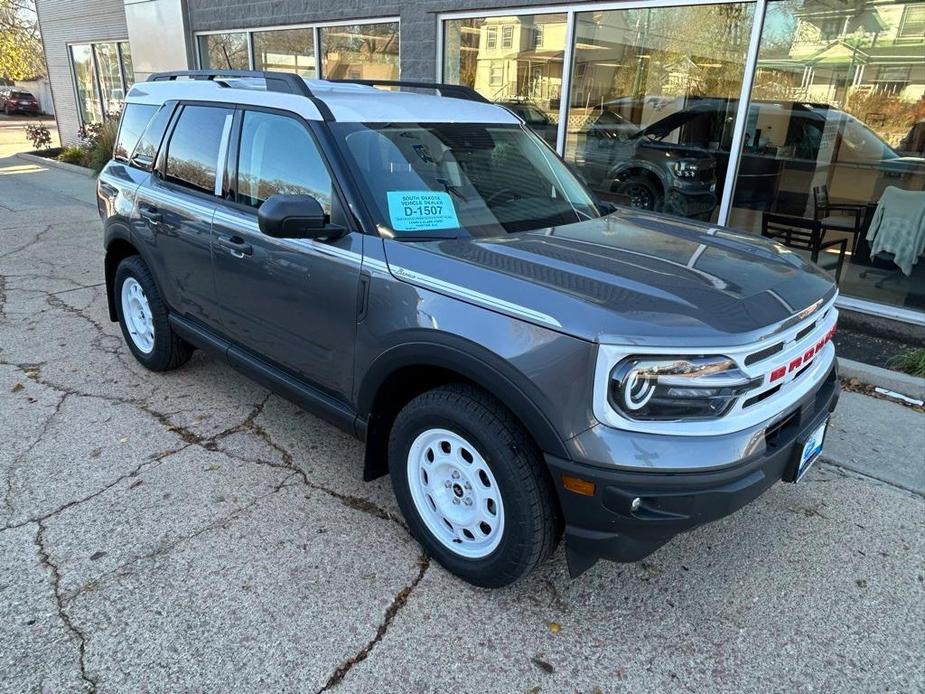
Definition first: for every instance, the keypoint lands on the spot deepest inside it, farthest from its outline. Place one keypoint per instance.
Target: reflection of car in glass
(644, 167)
(811, 143)
(535, 118)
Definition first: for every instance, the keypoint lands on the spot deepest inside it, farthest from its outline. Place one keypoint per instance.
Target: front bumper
(604, 526)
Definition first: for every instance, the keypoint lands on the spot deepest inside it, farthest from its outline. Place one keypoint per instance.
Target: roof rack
(284, 82)
(453, 91)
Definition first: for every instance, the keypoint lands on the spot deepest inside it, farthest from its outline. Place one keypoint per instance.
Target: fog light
(635, 505)
(578, 485)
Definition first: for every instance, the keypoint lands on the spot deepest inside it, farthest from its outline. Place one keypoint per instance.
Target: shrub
(911, 361)
(104, 141)
(39, 135)
(97, 140)
(73, 155)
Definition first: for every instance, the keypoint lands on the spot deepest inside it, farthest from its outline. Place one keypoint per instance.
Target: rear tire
(472, 485)
(142, 316)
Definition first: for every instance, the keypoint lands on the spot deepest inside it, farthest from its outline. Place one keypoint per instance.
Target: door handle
(150, 215)
(235, 245)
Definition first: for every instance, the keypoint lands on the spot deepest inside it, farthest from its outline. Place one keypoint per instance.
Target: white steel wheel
(136, 312)
(455, 493)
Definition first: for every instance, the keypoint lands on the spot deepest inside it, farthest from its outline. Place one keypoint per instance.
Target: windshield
(451, 178)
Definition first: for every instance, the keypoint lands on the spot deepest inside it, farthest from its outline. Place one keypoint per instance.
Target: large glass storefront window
(110, 73)
(127, 68)
(88, 98)
(224, 51)
(516, 61)
(101, 69)
(835, 136)
(360, 51)
(289, 50)
(652, 109)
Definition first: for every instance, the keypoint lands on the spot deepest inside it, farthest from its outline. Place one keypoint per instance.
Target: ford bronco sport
(426, 273)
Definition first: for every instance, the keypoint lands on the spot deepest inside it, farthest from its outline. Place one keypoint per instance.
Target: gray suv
(427, 274)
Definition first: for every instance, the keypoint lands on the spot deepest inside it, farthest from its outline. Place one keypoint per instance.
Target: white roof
(351, 103)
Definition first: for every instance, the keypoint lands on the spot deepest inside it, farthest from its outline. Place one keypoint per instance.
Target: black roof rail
(284, 82)
(453, 91)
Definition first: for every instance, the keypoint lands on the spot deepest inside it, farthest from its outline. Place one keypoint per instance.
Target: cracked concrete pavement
(192, 531)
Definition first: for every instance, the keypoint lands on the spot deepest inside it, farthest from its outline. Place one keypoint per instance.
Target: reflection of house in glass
(847, 54)
(521, 58)
(511, 59)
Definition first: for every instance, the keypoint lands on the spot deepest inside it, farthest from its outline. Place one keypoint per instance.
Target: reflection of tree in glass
(227, 51)
(358, 46)
(258, 190)
(191, 172)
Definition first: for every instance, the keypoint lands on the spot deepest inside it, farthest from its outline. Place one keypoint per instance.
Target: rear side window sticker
(421, 210)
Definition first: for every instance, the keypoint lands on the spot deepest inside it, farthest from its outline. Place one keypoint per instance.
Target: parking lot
(192, 531)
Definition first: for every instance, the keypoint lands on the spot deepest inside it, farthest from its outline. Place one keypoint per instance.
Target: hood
(629, 277)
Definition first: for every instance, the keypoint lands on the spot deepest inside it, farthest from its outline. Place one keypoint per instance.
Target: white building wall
(74, 21)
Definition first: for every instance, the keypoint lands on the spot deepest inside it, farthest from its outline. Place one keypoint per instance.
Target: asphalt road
(191, 531)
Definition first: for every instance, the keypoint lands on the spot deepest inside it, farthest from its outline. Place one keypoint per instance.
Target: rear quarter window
(150, 142)
(134, 119)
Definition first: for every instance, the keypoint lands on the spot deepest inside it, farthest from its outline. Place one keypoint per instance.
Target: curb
(907, 384)
(55, 164)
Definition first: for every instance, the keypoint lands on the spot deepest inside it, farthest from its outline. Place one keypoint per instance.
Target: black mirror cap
(294, 217)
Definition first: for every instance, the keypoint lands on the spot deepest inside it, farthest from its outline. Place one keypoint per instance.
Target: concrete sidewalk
(192, 531)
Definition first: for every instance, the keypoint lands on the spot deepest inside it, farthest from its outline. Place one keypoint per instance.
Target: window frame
(341, 202)
(507, 36)
(159, 170)
(316, 27)
(908, 10)
(94, 72)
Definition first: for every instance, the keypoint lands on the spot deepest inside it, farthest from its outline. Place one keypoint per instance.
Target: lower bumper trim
(612, 525)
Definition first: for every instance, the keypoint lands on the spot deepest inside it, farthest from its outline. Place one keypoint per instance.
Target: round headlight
(638, 390)
(676, 387)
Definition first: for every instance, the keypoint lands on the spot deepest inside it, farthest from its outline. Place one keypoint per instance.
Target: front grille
(764, 354)
(806, 331)
(754, 400)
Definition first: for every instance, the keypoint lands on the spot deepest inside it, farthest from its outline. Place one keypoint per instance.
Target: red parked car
(18, 100)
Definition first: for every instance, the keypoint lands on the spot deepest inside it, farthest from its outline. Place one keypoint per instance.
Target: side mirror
(295, 217)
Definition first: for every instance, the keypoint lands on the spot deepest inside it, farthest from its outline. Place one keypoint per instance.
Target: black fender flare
(474, 363)
(115, 232)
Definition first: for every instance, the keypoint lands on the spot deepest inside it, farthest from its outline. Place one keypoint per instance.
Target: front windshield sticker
(421, 210)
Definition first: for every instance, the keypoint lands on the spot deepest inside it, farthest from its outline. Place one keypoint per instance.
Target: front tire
(142, 316)
(472, 485)
(640, 193)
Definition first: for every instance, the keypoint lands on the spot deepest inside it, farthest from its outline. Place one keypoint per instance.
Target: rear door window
(194, 147)
(134, 119)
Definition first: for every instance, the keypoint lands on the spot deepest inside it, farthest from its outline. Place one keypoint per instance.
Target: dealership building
(726, 112)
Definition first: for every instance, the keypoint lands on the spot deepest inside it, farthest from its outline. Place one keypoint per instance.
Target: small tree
(21, 54)
(39, 135)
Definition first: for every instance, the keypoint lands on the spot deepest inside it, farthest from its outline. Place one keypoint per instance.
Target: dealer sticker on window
(421, 210)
